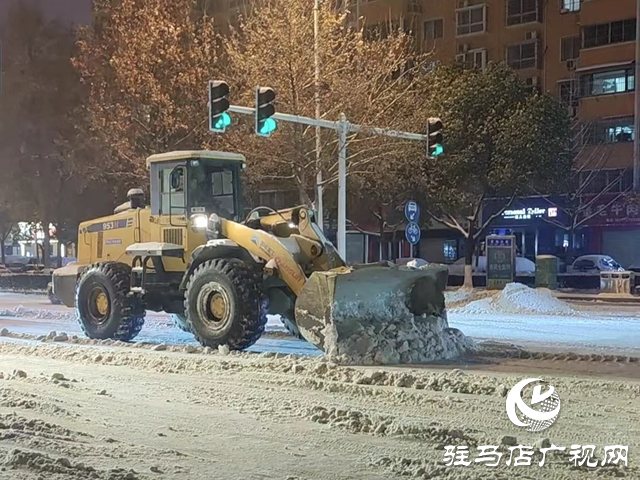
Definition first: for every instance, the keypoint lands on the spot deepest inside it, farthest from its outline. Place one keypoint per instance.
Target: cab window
(172, 183)
(222, 190)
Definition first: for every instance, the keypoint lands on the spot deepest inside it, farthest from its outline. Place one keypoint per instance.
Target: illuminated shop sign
(529, 213)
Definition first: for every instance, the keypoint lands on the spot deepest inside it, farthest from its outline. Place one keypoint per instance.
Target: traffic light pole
(343, 128)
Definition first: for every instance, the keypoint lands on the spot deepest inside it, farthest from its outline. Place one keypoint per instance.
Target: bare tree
(371, 81)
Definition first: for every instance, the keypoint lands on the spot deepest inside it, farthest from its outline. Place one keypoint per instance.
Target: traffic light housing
(219, 118)
(265, 108)
(434, 137)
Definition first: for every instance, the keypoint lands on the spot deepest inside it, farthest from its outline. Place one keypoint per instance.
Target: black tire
(123, 317)
(291, 327)
(52, 298)
(231, 287)
(180, 321)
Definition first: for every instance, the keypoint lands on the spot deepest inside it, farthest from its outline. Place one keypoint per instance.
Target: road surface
(610, 328)
(121, 413)
(133, 412)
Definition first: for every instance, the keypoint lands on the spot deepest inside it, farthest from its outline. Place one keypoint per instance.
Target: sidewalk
(597, 297)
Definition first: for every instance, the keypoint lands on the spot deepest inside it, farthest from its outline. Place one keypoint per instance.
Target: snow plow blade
(378, 314)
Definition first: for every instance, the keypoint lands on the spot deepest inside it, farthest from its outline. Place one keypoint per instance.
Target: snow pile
(39, 314)
(457, 296)
(386, 332)
(517, 298)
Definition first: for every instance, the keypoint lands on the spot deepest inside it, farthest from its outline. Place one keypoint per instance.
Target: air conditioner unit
(532, 81)
(571, 64)
(531, 35)
(463, 48)
(461, 58)
(463, 3)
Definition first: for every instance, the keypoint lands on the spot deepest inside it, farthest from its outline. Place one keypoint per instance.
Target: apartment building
(583, 51)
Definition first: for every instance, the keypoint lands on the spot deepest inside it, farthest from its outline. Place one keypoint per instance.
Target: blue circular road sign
(412, 210)
(412, 232)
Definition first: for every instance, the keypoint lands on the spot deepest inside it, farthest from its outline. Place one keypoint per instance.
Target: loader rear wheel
(224, 304)
(104, 307)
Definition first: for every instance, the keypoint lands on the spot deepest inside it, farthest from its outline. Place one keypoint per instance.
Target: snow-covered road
(592, 331)
(597, 328)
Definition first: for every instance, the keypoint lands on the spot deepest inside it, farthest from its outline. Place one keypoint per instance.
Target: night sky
(67, 11)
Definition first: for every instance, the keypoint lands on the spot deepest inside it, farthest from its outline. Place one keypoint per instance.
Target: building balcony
(600, 11)
(607, 54)
(605, 106)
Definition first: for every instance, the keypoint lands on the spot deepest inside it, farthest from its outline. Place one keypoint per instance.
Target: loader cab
(191, 185)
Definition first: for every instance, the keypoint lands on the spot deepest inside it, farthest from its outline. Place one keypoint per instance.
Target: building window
(523, 11)
(473, 59)
(615, 180)
(606, 83)
(570, 48)
(471, 20)
(433, 29)
(273, 199)
(450, 251)
(609, 33)
(523, 55)
(619, 130)
(380, 31)
(567, 6)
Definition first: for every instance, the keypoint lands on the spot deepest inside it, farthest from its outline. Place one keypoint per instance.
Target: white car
(594, 264)
(524, 266)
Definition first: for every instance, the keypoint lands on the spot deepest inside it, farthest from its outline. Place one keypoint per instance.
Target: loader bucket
(378, 314)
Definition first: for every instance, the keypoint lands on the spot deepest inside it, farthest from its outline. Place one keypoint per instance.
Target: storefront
(531, 221)
(615, 229)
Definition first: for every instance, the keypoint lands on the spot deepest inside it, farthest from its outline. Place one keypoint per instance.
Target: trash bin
(547, 271)
(616, 282)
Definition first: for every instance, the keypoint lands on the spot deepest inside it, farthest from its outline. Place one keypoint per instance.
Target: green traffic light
(268, 125)
(223, 121)
(437, 150)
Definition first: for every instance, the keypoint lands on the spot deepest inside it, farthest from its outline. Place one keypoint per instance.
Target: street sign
(412, 232)
(412, 211)
(501, 260)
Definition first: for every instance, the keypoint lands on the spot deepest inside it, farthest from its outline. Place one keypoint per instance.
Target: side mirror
(177, 178)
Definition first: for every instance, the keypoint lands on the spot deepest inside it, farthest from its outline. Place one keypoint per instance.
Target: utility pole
(343, 127)
(316, 61)
(636, 129)
(342, 185)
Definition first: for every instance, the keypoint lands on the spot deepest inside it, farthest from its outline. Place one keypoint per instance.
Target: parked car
(524, 266)
(594, 264)
(412, 262)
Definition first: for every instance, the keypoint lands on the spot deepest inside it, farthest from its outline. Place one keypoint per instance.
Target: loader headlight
(199, 221)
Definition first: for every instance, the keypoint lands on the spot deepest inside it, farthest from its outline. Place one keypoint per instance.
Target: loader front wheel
(104, 307)
(224, 304)
(180, 321)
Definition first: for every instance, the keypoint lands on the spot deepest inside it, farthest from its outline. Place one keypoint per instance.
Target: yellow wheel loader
(192, 253)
